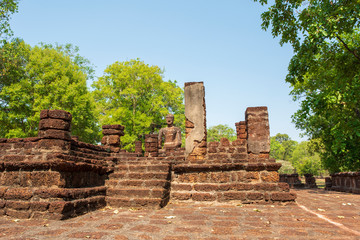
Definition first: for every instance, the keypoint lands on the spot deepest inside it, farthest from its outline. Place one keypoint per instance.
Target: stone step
(243, 196)
(137, 183)
(124, 175)
(136, 161)
(138, 192)
(232, 186)
(142, 167)
(136, 202)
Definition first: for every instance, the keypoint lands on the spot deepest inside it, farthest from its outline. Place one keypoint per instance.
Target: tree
(135, 95)
(215, 133)
(324, 73)
(281, 146)
(305, 161)
(7, 7)
(44, 77)
(276, 149)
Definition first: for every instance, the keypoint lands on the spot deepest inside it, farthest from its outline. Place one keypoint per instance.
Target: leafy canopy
(134, 94)
(282, 147)
(306, 161)
(294, 156)
(324, 73)
(7, 7)
(215, 133)
(44, 77)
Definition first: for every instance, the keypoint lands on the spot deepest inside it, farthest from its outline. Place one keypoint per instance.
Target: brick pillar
(241, 130)
(138, 148)
(54, 129)
(151, 145)
(195, 125)
(310, 181)
(258, 132)
(112, 134)
(328, 183)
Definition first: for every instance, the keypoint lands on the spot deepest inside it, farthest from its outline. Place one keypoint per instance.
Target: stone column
(138, 148)
(151, 145)
(195, 126)
(258, 131)
(54, 129)
(112, 134)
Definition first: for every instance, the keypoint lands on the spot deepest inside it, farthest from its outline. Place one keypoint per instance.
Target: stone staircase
(135, 183)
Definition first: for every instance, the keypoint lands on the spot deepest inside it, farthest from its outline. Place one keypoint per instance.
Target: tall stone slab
(257, 121)
(195, 126)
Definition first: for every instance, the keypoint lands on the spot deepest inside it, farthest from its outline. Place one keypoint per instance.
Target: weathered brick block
(181, 187)
(273, 166)
(189, 178)
(265, 186)
(46, 178)
(206, 187)
(239, 142)
(220, 177)
(17, 214)
(270, 176)
(248, 176)
(110, 140)
(180, 196)
(10, 179)
(61, 207)
(254, 196)
(241, 186)
(3, 191)
(17, 205)
(113, 132)
(234, 196)
(243, 136)
(283, 196)
(54, 124)
(18, 193)
(39, 206)
(239, 156)
(213, 144)
(283, 186)
(57, 114)
(115, 126)
(55, 144)
(203, 197)
(55, 134)
(224, 142)
(14, 140)
(255, 167)
(14, 158)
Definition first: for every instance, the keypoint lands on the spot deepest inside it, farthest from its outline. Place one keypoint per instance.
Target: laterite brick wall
(51, 176)
(344, 182)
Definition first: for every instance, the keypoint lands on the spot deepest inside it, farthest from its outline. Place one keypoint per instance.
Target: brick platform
(55, 176)
(205, 221)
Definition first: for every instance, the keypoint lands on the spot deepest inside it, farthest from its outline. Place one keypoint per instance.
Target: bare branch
(347, 47)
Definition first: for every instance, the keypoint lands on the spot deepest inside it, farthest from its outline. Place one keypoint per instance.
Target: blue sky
(218, 42)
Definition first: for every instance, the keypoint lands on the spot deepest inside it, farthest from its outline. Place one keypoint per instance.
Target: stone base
(50, 203)
(244, 182)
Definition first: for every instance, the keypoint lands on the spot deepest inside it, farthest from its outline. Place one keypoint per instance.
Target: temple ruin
(55, 176)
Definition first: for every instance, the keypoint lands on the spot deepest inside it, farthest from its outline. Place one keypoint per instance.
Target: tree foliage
(324, 73)
(215, 133)
(282, 147)
(306, 161)
(134, 94)
(7, 7)
(44, 77)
